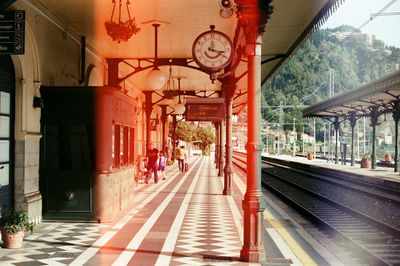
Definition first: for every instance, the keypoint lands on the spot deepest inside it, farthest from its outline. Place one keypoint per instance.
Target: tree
(305, 79)
(184, 131)
(207, 136)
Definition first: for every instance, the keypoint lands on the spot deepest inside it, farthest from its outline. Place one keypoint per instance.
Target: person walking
(182, 156)
(161, 165)
(152, 165)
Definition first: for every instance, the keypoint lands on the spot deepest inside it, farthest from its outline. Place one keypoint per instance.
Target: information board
(205, 109)
(12, 32)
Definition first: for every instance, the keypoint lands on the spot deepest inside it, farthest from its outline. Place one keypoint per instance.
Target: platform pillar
(148, 109)
(254, 202)
(353, 125)
(173, 137)
(396, 118)
(251, 17)
(229, 90)
(336, 125)
(216, 144)
(221, 151)
(374, 119)
(163, 122)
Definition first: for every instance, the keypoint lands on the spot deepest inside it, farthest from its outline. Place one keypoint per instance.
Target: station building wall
(52, 58)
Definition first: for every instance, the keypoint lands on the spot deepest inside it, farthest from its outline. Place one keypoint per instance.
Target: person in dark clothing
(152, 165)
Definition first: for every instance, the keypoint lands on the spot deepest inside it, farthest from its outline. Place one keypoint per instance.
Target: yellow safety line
(300, 253)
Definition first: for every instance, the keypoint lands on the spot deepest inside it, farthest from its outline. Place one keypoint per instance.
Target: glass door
(6, 132)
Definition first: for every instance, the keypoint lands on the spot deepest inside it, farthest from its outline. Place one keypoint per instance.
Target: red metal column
(254, 202)
(148, 110)
(229, 90)
(252, 16)
(221, 151)
(174, 136)
(163, 122)
(216, 144)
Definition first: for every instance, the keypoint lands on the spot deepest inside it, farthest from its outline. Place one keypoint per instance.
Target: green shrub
(14, 221)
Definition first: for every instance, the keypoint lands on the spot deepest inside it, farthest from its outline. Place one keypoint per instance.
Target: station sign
(12, 32)
(205, 109)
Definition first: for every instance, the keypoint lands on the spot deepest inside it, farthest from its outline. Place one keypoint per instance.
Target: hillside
(354, 59)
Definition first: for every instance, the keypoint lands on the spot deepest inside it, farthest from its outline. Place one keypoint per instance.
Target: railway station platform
(384, 175)
(183, 220)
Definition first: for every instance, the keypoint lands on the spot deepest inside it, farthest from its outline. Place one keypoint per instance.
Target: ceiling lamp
(179, 107)
(384, 122)
(118, 30)
(345, 129)
(155, 78)
(170, 92)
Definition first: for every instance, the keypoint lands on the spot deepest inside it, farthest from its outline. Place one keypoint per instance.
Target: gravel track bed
(386, 212)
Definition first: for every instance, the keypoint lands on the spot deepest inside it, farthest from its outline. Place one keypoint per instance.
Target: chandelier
(118, 30)
(170, 92)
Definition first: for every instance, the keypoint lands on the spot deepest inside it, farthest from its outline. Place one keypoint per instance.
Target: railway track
(368, 237)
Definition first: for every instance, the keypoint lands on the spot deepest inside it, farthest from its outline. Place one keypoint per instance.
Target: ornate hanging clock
(212, 50)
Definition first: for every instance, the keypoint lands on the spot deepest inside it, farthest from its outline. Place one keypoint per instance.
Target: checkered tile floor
(208, 233)
(53, 244)
(203, 229)
(183, 220)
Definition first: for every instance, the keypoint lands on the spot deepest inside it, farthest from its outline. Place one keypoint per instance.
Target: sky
(356, 12)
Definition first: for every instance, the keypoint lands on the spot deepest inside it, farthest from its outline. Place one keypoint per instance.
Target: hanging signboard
(205, 109)
(12, 32)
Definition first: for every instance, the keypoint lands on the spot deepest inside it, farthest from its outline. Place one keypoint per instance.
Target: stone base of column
(32, 204)
(227, 187)
(252, 256)
(253, 237)
(221, 168)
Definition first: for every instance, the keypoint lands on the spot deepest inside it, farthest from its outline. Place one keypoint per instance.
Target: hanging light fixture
(179, 107)
(384, 122)
(155, 78)
(170, 92)
(118, 30)
(345, 129)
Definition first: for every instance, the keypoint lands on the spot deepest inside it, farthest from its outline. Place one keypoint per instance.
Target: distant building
(343, 35)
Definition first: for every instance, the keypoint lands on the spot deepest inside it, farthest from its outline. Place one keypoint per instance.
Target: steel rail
(365, 222)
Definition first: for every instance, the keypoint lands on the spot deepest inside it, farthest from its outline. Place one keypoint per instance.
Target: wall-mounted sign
(205, 109)
(153, 124)
(12, 32)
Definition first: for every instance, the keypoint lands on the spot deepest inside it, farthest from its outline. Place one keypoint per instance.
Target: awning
(382, 94)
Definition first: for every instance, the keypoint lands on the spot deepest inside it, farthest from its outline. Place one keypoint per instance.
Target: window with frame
(131, 146)
(116, 146)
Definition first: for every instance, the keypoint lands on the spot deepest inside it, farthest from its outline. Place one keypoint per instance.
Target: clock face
(212, 50)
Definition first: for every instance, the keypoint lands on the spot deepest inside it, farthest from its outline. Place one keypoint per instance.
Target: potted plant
(13, 225)
(309, 156)
(388, 157)
(366, 161)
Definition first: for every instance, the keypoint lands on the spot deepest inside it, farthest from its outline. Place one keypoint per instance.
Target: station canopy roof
(381, 93)
(290, 24)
